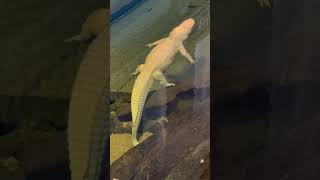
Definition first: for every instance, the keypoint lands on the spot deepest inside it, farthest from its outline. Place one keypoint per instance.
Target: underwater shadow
(61, 172)
(252, 103)
(275, 106)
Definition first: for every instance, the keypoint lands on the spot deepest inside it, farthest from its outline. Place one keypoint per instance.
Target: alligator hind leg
(157, 75)
(138, 69)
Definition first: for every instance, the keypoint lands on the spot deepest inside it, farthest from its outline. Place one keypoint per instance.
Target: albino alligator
(87, 123)
(157, 60)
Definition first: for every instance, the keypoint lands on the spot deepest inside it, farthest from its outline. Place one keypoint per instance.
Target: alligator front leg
(184, 52)
(155, 43)
(158, 75)
(138, 69)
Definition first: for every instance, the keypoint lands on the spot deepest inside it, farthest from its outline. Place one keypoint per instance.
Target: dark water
(60, 172)
(271, 130)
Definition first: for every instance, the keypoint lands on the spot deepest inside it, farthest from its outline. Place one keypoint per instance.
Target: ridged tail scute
(139, 95)
(98, 153)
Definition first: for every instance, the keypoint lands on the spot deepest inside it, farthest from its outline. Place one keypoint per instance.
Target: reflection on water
(202, 69)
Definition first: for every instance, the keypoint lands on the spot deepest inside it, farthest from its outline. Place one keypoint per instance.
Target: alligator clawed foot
(265, 3)
(192, 61)
(170, 84)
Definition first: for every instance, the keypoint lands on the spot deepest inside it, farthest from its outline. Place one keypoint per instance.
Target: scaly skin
(157, 61)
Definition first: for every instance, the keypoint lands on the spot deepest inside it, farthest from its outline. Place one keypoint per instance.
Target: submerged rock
(44, 153)
(117, 126)
(37, 150)
(13, 142)
(181, 141)
(193, 166)
(119, 97)
(11, 164)
(11, 168)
